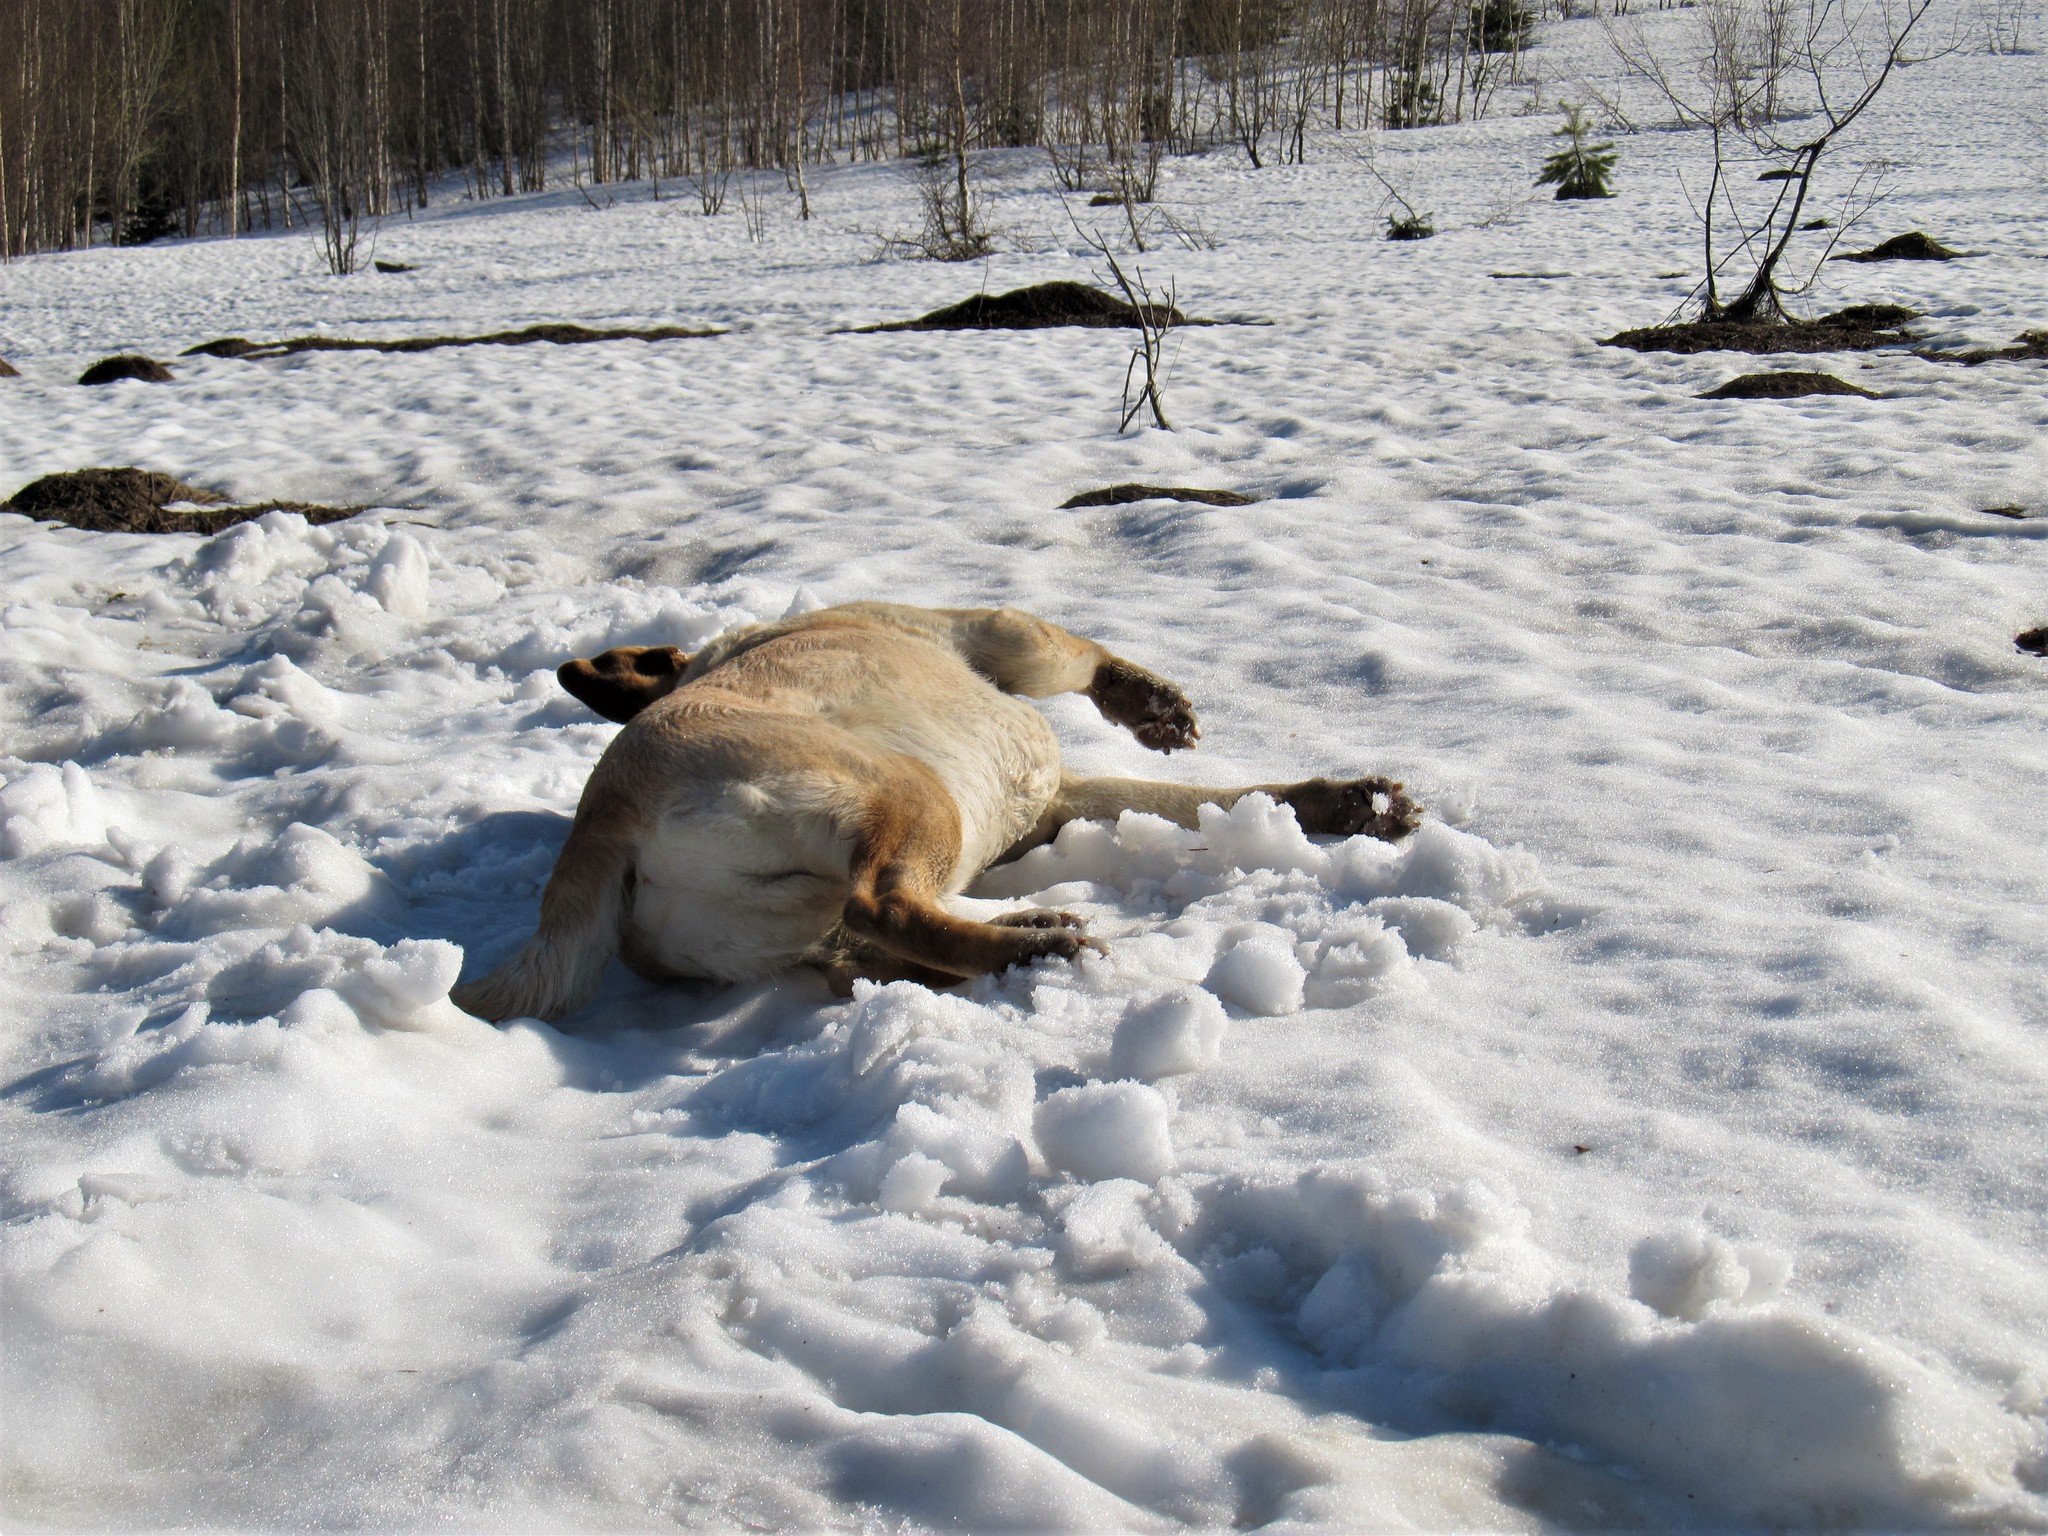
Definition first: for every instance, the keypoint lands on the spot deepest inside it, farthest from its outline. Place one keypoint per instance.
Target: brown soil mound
(2030, 344)
(1859, 328)
(1911, 246)
(8, 370)
(1788, 385)
(2033, 640)
(562, 335)
(394, 266)
(134, 501)
(1124, 495)
(1038, 307)
(227, 346)
(128, 365)
(1875, 316)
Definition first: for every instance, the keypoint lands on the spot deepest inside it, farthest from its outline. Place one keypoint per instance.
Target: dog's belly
(742, 882)
(735, 890)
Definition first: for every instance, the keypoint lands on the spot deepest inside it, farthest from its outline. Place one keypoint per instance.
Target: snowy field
(1654, 1141)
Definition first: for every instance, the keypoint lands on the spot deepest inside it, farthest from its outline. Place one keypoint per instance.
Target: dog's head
(625, 680)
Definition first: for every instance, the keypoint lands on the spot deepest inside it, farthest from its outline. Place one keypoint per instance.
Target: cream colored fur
(813, 789)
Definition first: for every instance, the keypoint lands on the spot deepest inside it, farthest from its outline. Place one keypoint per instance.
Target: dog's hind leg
(1022, 653)
(558, 970)
(903, 859)
(1375, 806)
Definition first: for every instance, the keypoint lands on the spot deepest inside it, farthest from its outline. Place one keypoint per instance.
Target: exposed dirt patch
(1859, 328)
(227, 346)
(394, 266)
(1124, 495)
(1787, 385)
(8, 370)
(129, 365)
(2033, 641)
(1039, 307)
(2029, 344)
(561, 335)
(1914, 245)
(142, 501)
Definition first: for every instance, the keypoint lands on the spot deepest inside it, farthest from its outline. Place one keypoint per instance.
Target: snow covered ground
(1654, 1141)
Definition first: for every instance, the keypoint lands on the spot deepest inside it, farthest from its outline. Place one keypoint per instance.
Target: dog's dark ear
(622, 682)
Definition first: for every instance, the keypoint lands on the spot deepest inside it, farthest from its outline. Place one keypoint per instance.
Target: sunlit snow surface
(1655, 1140)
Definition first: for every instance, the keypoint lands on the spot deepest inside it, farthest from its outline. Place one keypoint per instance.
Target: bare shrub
(1774, 100)
(1155, 316)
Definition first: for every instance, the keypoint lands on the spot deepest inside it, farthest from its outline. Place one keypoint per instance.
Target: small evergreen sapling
(1579, 169)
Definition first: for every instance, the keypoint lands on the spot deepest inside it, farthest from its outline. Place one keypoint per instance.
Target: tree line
(126, 120)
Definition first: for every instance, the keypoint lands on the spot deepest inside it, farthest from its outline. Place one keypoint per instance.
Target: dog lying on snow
(812, 790)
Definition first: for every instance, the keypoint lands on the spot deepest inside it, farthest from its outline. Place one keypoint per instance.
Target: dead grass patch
(2029, 344)
(557, 333)
(1039, 307)
(128, 500)
(1913, 245)
(1789, 384)
(1859, 328)
(129, 365)
(1124, 495)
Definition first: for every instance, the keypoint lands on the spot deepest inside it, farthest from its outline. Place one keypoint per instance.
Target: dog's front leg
(1022, 653)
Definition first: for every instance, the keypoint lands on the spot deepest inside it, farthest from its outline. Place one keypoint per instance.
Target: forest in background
(124, 121)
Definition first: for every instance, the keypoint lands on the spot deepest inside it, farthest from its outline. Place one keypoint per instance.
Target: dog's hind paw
(1060, 934)
(1150, 707)
(1375, 806)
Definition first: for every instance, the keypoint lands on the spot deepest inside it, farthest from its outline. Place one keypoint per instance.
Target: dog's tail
(558, 970)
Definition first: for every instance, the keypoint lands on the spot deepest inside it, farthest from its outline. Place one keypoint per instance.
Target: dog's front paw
(1150, 707)
(1375, 806)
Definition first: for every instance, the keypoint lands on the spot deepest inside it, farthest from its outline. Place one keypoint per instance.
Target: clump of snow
(1258, 971)
(1101, 1131)
(398, 577)
(912, 1183)
(48, 806)
(1682, 1274)
(1105, 1229)
(1179, 1032)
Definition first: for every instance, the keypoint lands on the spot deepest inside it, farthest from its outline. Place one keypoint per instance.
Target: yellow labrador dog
(812, 790)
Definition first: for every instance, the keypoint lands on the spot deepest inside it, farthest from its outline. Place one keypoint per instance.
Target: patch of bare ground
(130, 500)
(226, 346)
(2033, 641)
(129, 365)
(1788, 384)
(1124, 495)
(557, 333)
(1913, 245)
(2028, 344)
(1039, 307)
(8, 370)
(1859, 328)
